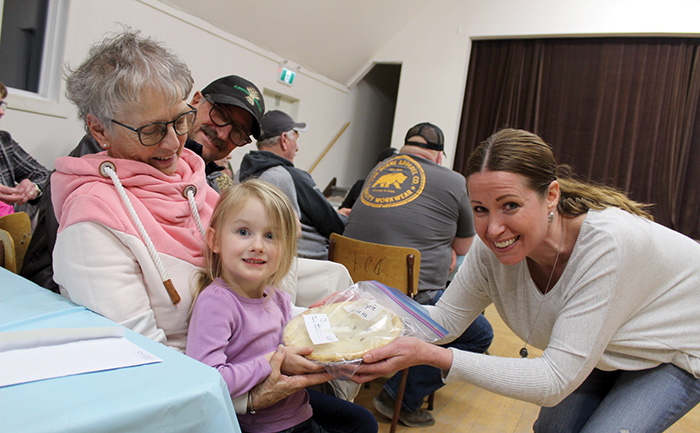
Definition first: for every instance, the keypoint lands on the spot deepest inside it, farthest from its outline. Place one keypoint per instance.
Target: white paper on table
(38, 354)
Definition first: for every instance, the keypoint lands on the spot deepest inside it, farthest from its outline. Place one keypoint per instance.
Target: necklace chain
(523, 351)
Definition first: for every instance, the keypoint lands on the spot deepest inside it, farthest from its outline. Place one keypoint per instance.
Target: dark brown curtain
(622, 111)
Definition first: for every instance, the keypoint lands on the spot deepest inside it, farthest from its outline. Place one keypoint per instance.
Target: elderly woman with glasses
(132, 217)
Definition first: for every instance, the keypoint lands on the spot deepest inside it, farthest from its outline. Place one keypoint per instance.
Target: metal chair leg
(399, 400)
(431, 401)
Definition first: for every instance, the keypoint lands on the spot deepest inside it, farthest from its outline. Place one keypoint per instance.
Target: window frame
(48, 100)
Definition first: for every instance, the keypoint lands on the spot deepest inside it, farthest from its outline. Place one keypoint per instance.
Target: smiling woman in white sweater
(581, 272)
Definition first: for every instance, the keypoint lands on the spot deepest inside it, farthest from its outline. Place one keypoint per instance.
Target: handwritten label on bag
(319, 328)
(364, 308)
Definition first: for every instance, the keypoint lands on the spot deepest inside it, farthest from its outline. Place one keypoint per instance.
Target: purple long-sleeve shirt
(233, 333)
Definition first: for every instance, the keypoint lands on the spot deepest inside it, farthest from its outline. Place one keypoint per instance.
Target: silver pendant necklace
(523, 351)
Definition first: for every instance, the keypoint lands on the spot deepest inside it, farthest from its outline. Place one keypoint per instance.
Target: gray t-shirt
(409, 201)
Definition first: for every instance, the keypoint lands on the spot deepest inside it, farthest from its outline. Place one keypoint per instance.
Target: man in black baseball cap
(433, 138)
(229, 111)
(427, 136)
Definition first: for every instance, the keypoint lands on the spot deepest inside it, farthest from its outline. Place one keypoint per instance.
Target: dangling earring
(550, 218)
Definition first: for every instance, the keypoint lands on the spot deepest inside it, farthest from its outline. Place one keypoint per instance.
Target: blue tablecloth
(176, 395)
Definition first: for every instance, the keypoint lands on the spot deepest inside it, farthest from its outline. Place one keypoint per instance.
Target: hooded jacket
(37, 265)
(318, 217)
(102, 260)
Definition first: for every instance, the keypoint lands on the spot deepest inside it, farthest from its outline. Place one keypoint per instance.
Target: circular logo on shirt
(395, 182)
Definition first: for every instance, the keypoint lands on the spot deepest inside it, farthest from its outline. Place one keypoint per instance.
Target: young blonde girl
(238, 314)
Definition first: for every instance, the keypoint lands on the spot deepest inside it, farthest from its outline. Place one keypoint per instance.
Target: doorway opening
(374, 116)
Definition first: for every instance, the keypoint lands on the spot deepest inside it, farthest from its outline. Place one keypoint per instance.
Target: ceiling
(335, 38)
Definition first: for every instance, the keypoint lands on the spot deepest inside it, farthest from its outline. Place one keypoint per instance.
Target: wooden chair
(396, 267)
(15, 234)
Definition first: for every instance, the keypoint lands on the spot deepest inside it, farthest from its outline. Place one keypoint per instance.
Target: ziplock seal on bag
(365, 316)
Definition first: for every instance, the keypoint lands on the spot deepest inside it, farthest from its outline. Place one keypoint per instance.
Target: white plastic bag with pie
(365, 316)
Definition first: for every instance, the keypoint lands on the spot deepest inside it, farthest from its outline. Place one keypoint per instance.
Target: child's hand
(295, 363)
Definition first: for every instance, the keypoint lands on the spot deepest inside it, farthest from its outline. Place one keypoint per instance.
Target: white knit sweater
(628, 299)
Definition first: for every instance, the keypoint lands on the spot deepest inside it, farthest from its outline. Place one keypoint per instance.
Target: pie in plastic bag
(358, 326)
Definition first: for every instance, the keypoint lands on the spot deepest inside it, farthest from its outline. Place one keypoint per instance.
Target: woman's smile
(505, 244)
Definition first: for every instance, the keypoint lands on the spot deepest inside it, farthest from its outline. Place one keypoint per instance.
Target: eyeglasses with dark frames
(154, 133)
(221, 118)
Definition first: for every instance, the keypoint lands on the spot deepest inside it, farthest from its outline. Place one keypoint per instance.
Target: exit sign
(286, 76)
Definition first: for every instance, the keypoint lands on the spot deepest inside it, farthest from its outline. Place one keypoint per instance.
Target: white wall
(373, 109)
(210, 53)
(434, 48)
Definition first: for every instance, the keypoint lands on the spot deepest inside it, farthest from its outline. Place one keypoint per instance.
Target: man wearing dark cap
(410, 200)
(274, 163)
(229, 111)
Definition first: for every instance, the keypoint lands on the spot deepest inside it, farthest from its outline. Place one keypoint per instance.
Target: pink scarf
(79, 193)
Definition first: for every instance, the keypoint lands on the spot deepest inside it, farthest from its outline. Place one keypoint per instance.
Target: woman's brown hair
(524, 153)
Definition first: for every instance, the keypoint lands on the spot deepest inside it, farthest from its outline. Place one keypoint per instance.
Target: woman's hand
(16, 194)
(28, 189)
(401, 353)
(278, 386)
(295, 363)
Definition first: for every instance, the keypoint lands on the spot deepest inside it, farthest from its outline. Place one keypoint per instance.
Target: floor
(467, 409)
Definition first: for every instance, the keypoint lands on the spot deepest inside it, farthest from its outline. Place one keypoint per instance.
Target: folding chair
(396, 267)
(15, 234)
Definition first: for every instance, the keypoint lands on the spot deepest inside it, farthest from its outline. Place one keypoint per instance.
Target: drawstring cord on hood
(189, 194)
(107, 169)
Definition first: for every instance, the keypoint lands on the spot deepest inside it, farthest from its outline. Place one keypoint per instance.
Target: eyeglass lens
(154, 133)
(220, 118)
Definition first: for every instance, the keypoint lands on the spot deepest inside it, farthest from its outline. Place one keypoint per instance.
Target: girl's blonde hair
(524, 153)
(279, 211)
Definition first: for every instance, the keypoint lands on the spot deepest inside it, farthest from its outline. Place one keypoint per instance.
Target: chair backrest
(394, 266)
(7, 252)
(19, 228)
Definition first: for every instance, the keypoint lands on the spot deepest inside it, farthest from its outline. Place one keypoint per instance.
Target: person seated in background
(229, 111)
(22, 178)
(274, 163)
(433, 204)
(356, 189)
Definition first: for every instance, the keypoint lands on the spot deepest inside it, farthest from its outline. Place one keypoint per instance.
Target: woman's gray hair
(118, 69)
